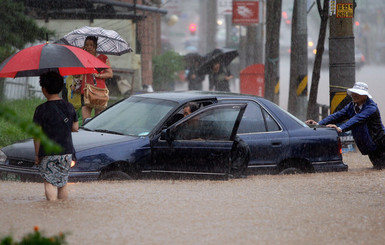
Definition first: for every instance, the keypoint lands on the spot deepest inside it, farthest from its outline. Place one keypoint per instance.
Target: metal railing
(20, 88)
(121, 85)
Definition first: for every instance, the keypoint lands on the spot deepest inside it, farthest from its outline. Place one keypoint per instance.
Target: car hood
(82, 140)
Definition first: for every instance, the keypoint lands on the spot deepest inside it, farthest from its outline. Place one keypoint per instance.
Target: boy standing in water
(57, 119)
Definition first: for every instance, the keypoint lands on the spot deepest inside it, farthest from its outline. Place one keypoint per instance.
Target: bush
(10, 131)
(16, 124)
(165, 70)
(35, 238)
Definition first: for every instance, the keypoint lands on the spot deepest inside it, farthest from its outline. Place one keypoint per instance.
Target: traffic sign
(245, 12)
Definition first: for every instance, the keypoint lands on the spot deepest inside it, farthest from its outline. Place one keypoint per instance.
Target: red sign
(245, 12)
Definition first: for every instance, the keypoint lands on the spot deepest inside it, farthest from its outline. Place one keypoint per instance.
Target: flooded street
(325, 208)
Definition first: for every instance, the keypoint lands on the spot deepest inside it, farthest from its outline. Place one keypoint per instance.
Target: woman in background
(90, 45)
(219, 78)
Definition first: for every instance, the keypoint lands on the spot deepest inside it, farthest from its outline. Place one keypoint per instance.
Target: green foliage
(9, 131)
(165, 70)
(19, 126)
(17, 29)
(35, 238)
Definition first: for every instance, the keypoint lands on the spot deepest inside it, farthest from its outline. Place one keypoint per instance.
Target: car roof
(183, 96)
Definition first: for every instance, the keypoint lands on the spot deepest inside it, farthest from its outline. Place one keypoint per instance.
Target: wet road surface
(322, 208)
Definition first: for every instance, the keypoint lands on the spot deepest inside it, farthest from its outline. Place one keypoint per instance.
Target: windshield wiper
(107, 131)
(82, 127)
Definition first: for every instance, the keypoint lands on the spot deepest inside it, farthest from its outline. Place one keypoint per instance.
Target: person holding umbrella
(90, 45)
(193, 61)
(219, 77)
(57, 119)
(99, 42)
(215, 64)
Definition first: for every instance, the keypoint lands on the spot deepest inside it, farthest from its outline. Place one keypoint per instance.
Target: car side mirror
(166, 135)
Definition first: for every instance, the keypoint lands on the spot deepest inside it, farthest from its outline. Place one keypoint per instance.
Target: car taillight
(362, 58)
(73, 163)
(339, 146)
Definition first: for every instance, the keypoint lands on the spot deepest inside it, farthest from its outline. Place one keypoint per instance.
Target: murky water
(326, 208)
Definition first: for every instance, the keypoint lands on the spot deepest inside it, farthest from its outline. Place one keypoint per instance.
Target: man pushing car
(363, 118)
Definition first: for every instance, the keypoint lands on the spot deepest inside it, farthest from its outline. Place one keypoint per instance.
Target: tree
(165, 70)
(312, 109)
(298, 61)
(273, 22)
(17, 30)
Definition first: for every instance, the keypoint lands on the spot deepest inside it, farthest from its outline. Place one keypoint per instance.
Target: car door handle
(276, 143)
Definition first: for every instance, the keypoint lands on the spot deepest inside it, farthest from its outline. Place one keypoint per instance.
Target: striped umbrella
(39, 59)
(109, 41)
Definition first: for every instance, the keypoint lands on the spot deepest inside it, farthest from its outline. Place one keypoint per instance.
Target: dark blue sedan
(147, 135)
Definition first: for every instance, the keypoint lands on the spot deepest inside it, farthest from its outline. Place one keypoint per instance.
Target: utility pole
(251, 45)
(341, 52)
(251, 32)
(313, 108)
(207, 26)
(298, 61)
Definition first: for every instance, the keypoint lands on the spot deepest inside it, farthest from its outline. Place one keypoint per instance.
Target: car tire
(114, 175)
(291, 170)
(239, 159)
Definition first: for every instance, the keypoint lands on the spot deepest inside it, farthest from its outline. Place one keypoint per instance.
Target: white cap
(359, 88)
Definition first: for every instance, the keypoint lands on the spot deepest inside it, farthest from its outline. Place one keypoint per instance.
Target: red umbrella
(64, 59)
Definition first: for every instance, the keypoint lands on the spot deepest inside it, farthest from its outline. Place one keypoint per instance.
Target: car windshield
(135, 116)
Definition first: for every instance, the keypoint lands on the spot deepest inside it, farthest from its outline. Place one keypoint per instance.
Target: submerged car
(147, 135)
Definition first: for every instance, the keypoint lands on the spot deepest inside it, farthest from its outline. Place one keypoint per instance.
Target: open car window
(214, 124)
(180, 113)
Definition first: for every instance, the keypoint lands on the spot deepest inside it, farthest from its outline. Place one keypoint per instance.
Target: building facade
(137, 21)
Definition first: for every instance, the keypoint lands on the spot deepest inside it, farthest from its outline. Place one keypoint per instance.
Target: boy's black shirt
(54, 126)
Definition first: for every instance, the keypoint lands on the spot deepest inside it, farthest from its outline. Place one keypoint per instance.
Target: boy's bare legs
(62, 193)
(50, 191)
(52, 194)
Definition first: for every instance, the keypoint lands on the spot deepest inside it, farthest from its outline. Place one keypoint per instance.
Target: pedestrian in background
(363, 118)
(73, 85)
(58, 119)
(219, 78)
(90, 45)
(194, 79)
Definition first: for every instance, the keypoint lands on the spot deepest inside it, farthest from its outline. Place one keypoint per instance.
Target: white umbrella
(109, 41)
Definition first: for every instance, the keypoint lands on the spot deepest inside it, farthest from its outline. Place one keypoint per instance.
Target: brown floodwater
(322, 208)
